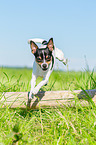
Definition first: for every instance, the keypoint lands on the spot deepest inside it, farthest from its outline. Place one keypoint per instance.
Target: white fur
(37, 71)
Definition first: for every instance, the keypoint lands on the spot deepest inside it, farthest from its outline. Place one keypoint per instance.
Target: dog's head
(43, 54)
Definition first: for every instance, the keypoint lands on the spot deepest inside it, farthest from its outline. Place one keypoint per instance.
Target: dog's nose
(44, 65)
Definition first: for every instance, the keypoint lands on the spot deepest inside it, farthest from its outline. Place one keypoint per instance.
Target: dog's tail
(37, 40)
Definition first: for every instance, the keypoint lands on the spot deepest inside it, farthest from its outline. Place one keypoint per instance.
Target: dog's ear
(33, 46)
(50, 44)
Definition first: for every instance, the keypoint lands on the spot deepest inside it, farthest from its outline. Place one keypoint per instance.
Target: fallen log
(45, 99)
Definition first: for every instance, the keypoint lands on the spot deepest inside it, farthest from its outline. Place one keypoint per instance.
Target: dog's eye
(39, 59)
(48, 57)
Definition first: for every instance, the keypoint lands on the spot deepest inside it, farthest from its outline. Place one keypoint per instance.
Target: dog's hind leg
(60, 56)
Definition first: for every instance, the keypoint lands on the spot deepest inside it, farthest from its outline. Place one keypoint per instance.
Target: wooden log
(45, 99)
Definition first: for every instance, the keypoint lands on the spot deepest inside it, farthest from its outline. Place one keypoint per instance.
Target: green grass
(70, 125)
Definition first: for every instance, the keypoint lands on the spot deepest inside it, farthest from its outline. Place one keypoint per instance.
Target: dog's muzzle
(44, 66)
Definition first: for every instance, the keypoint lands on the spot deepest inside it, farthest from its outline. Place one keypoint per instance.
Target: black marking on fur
(52, 62)
(44, 42)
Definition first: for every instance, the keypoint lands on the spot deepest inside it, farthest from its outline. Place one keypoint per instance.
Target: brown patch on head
(46, 56)
(40, 57)
(33, 46)
(48, 62)
(38, 62)
(50, 44)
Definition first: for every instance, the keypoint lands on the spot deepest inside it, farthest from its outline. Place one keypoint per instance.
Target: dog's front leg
(37, 88)
(33, 83)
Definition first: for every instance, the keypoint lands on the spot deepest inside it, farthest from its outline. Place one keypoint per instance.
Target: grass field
(55, 126)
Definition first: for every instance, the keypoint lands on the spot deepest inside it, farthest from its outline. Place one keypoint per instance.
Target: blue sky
(71, 23)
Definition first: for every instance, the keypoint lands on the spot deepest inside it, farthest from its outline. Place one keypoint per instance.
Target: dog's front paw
(31, 96)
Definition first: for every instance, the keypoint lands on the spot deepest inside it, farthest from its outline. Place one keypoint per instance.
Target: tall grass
(19, 80)
(69, 125)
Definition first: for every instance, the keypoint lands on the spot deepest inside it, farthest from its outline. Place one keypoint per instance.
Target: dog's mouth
(44, 69)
